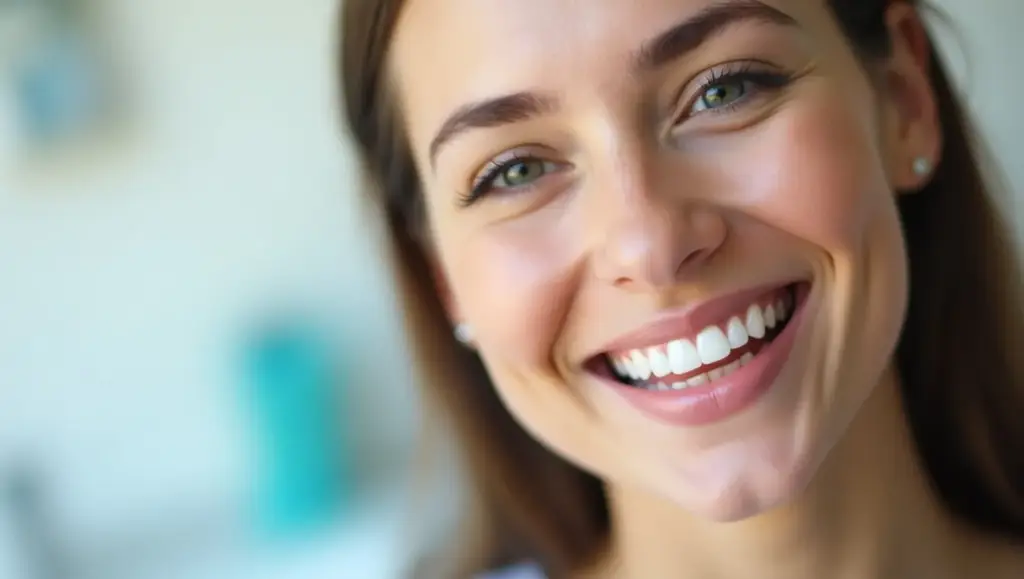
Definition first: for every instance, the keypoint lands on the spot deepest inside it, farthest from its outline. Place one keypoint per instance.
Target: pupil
(518, 172)
(720, 94)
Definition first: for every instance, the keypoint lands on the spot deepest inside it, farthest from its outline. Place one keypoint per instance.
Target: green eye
(513, 175)
(520, 173)
(720, 95)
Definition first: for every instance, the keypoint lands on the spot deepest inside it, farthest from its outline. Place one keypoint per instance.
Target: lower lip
(725, 397)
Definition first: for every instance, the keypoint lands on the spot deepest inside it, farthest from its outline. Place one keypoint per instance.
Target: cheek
(818, 176)
(514, 287)
(815, 174)
(516, 283)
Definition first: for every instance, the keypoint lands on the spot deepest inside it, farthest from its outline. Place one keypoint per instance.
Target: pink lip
(692, 320)
(722, 398)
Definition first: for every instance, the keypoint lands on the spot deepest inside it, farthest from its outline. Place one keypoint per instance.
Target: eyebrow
(672, 44)
(692, 33)
(494, 112)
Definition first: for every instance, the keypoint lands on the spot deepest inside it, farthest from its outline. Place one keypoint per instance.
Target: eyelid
(495, 164)
(526, 152)
(484, 185)
(728, 71)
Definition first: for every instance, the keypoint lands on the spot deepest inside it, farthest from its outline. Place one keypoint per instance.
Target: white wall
(127, 271)
(983, 43)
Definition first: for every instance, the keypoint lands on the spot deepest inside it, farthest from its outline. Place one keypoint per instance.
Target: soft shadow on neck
(869, 513)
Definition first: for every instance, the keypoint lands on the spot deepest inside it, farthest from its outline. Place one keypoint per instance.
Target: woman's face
(670, 224)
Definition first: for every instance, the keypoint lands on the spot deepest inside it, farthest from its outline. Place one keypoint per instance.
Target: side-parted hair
(960, 356)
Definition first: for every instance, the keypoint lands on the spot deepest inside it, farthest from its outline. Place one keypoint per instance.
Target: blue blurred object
(304, 476)
(58, 88)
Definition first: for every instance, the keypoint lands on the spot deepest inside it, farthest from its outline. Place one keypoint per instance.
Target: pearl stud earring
(464, 334)
(922, 166)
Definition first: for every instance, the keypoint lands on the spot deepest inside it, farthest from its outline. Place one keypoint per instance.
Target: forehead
(446, 53)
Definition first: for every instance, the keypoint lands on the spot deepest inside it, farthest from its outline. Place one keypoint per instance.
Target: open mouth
(714, 352)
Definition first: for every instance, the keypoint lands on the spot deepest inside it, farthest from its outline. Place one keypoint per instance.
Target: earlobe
(914, 134)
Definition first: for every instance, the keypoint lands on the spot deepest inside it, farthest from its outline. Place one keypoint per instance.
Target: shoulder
(526, 571)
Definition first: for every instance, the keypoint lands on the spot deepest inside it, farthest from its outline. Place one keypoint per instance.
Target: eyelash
(495, 167)
(738, 73)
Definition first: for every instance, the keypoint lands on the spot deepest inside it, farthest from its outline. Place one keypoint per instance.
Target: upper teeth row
(713, 344)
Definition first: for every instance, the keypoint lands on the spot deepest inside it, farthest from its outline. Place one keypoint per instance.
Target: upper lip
(690, 320)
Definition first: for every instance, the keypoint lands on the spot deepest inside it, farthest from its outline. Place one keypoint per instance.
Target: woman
(730, 297)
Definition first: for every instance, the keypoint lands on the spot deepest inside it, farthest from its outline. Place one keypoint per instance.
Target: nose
(655, 234)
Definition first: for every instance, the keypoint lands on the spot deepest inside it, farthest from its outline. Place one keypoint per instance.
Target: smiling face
(671, 225)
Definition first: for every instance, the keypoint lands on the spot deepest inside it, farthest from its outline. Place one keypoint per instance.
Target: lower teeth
(700, 379)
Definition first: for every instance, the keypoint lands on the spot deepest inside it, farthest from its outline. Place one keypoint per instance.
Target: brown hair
(959, 355)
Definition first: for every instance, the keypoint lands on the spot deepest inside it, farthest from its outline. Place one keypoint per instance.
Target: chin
(739, 503)
(743, 487)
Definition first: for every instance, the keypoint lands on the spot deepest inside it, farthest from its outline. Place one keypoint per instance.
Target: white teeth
(697, 380)
(620, 367)
(755, 322)
(641, 367)
(659, 363)
(630, 369)
(683, 356)
(737, 333)
(712, 345)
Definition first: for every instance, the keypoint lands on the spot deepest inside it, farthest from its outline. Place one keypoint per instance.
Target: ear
(912, 129)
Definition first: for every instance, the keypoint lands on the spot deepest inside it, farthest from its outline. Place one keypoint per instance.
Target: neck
(869, 514)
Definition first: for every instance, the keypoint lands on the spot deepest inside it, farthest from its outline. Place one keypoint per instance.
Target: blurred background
(202, 373)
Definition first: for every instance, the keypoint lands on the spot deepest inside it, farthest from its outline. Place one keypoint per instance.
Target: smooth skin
(640, 190)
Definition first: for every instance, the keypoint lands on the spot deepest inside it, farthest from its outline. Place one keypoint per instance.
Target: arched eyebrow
(672, 44)
(494, 112)
(690, 34)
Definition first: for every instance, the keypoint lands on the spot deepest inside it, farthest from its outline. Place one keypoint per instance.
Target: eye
(722, 94)
(734, 86)
(518, 173)
(515, 173)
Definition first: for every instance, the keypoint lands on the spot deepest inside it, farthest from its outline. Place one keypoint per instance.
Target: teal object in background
(303, 461)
